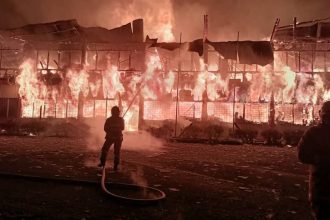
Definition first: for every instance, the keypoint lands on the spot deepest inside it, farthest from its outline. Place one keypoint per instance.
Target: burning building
(61, 70)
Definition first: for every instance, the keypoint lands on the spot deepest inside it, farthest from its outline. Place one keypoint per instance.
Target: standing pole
(277, 22)
(293, 113)
(1, 55)
(294, 27)
(194, 111)
(55, 107)
(66, 109)
(44, 112)
(205, 57)
(235, 71)
(32, 109)
(94, 108)
(177, 90)
(106, 106)
(40, 112)
(8, 108)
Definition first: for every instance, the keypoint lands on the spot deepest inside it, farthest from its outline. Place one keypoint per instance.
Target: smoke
(10, 15)
(138, 177)
(254, 19)
(157, 15)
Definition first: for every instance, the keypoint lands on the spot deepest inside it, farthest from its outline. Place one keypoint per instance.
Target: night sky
(254, 19)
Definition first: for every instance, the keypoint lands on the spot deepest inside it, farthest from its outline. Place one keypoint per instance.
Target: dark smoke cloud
(10, 15)
(254, 19)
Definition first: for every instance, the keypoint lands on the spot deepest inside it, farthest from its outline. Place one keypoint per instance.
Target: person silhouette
(314, 150)
(113, 127)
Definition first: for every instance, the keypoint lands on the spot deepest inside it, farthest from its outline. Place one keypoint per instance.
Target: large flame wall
(297, 95)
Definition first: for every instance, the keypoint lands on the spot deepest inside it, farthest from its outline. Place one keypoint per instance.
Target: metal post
(177, 91)
(96, 60)
(313, 57)
(194, 111)
(58, 59)
(274, 28)
(293, 113)
(235, 71)
(106, 107)
(205, 46)
(66, 109)
(37, 60)
(118, 62)
(94, 108)
(325, 62)
(32, 109)
(40, 112)
(294, 26)
(55, 107)
(299, 62)
(1, 55)
(205, 52)
(7, 113)
(244, 110)
(47, 60)
(84, 53)
(271, 116)
(138, 93)
(192, 61)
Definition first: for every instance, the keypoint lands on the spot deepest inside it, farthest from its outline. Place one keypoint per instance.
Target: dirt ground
(200, 181)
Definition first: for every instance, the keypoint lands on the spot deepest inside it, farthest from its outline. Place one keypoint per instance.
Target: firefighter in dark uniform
(314, 150)
(113, 127)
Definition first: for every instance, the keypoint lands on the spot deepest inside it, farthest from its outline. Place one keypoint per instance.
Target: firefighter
(113, 127)
(314, 150)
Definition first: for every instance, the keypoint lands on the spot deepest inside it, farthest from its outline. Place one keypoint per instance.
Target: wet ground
(200, 181)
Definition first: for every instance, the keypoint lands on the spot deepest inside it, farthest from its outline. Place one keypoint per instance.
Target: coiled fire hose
(146, 194)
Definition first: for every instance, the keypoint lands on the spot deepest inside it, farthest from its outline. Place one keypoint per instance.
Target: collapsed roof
(71, 31)
(317, 30)
(246, 52)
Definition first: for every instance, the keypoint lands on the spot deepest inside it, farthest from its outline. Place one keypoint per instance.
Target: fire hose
(150, 194)
(147, 195)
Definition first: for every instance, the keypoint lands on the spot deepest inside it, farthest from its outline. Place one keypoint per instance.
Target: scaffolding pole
(234, 100)
(205, 57)
(177, 90)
